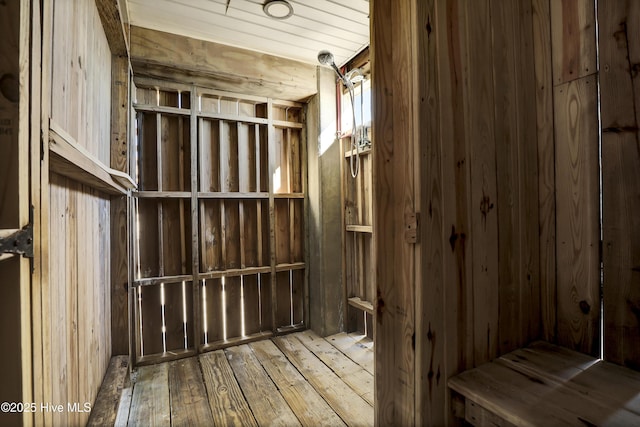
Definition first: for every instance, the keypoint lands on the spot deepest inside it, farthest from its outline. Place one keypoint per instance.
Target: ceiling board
(341, 26)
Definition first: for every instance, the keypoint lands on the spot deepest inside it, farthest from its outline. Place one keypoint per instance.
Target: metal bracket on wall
(19, 242)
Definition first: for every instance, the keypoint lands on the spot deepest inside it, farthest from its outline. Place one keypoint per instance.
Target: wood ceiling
(341, 26)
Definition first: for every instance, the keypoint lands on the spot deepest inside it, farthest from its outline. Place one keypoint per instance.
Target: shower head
(326, 58)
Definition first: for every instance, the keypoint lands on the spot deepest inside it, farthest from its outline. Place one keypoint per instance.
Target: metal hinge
(20, 242)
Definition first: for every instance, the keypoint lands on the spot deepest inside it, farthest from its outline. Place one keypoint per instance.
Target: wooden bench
(547, 385)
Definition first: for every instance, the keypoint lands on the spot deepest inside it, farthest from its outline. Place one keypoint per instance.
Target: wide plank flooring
(290, 380)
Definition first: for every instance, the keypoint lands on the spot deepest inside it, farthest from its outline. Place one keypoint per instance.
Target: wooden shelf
(70, 159)
(361, 304)
(359, 228)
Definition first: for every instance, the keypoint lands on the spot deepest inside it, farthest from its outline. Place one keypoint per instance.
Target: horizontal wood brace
(359, 228)
(291, 266)
(162, 109)
(288, 195)
(162, 194)
(217, 345)
(287, 125)
(234, 272)
(222, 195)
(164, 279)
(232, 117)
(151, 359)
(363, 151)
(70, 159)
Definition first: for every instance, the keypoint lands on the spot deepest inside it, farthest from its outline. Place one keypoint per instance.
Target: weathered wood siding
(469, 290)
(573, 50)
(508, 187)
(619, 23)
(76, 302)
(172, 57)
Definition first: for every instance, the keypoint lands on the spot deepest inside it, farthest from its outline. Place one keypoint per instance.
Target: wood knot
(453, 238)
(485, 205)
(585, 308)
(379, 305)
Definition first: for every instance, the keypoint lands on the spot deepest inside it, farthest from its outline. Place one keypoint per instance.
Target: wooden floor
(297, 379)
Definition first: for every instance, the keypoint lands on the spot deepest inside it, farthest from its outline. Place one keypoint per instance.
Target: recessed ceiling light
(278, 9)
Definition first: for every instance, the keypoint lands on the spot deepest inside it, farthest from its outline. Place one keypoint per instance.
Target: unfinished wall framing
(358, 239)
(219, 256)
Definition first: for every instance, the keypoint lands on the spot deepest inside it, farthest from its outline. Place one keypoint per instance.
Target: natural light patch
(204, 312)
(184, 314)
(242, 321)
(164, 324)
(277, 180)
(139, 292)
(327, 137)
(224, 311)
(291, 294)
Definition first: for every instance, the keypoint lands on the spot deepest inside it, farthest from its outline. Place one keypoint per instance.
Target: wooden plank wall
(619, 37)
(484, 188)
(76, 303)
(576, 175)
(510, 234)
(477, 265)
(394, 182)
(162, 55)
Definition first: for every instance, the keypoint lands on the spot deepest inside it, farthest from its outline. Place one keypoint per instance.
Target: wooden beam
(114, 26)
(172, 57)
(68, 158)
(397, 190)
(620, 100)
